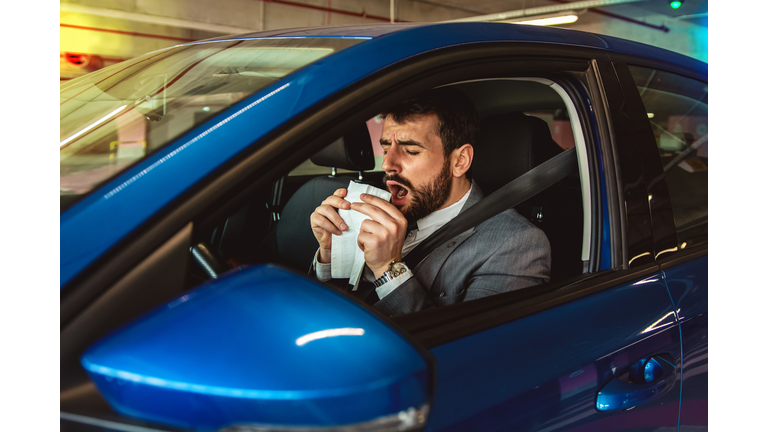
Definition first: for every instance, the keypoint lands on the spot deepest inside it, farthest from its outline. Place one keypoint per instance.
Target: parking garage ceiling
(97, 33)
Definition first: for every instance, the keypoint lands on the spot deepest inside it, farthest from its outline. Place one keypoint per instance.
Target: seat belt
(508, 196)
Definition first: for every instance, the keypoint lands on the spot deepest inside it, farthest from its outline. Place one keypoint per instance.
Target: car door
(559, 357)
(672, 114)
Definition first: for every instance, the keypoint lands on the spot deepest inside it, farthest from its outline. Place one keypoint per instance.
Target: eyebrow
(384, 142)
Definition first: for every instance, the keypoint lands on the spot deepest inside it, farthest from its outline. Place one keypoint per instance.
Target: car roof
(438, 35)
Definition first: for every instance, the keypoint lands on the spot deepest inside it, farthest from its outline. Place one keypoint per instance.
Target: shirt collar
(442, 216)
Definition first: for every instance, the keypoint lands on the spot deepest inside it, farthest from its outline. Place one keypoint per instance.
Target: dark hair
(456, 115)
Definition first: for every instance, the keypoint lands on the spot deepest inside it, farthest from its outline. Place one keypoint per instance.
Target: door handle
(645, 381)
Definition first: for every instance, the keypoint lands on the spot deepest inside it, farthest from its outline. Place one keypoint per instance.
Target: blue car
(188, 176)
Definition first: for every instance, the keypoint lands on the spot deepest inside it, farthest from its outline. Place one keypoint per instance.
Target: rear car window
(113, 118)
(677, 108)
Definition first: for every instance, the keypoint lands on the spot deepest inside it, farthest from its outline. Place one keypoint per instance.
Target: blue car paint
(481, 384)
(550, 366)
(94, 225)
(256, 347)
(688, 286)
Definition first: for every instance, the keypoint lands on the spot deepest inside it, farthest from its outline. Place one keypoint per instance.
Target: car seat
(509, 145)
(292, 243)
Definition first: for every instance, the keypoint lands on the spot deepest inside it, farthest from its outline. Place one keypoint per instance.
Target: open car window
(273, 226)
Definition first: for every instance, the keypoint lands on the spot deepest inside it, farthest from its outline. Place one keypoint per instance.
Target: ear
(461, 160)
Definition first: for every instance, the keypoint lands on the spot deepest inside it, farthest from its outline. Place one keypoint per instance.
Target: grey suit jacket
(504, 253)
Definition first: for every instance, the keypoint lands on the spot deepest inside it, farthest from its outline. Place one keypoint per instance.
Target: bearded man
(428, 153)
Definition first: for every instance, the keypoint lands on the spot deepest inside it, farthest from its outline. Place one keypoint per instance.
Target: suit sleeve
(500, 258)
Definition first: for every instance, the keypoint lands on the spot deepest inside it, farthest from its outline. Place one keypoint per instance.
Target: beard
(427, 199)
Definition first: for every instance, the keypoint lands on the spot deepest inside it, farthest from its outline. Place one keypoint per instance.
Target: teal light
(675, 4)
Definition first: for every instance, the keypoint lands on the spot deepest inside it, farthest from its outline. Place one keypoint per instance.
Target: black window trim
(630, 181)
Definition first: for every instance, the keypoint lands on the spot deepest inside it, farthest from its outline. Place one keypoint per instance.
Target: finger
(371, 211)
(321, 225)
(340, 192)
(337, 202)
(370, 226)
(382, 204)
(364, 239)
(327, 213)
(382, 228)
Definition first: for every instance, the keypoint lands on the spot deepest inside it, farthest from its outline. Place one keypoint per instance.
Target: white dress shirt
(425, 227)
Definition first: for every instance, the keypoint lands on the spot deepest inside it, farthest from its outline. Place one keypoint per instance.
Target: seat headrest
(508, 146)
(353, 151)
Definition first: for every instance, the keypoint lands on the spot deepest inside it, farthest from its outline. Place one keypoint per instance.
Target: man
(428, 150)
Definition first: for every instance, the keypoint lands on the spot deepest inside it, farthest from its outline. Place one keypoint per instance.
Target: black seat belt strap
(508, 196)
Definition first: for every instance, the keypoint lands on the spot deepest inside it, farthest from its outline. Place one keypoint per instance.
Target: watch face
(398, 268)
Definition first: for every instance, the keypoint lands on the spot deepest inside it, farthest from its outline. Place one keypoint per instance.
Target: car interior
(523, 123)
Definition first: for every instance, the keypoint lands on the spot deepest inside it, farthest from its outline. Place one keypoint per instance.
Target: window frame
(223, 191)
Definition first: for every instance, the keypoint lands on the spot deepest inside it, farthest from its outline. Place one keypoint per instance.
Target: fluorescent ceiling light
(545, 20)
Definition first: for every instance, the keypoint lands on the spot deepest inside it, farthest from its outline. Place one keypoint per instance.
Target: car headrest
(353, 151)
(508, 146)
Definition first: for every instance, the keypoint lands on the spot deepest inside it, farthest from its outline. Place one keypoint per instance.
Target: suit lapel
(426, 271)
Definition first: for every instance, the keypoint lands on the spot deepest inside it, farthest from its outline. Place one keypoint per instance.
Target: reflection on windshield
(116, 116)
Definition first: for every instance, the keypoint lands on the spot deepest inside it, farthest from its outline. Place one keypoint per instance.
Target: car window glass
(677, 108)
(113, 118)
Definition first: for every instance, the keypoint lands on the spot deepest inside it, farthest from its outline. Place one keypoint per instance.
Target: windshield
(112, 118)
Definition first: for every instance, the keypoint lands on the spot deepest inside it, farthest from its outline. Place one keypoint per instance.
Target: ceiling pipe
(129, 33)
(336, 11)
(153, 19)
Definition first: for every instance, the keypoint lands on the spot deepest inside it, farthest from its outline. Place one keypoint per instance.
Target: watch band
(395, 269)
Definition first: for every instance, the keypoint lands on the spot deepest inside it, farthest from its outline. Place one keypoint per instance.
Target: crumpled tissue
(347, 260)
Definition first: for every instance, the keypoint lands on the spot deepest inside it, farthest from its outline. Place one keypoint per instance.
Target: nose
(391, 163)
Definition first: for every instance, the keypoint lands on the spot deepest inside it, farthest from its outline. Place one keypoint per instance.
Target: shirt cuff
(322, 270)
(390, 286)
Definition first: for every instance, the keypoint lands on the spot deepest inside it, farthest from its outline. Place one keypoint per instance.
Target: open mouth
(398, 191)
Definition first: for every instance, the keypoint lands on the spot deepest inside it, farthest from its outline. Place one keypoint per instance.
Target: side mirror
(263, 347)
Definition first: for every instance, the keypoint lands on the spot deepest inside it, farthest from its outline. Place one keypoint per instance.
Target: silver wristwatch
(396, 268)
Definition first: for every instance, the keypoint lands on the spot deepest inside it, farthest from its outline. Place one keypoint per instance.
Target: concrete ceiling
(693, 11)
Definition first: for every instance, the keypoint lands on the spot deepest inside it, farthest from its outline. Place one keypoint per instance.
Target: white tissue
(347, 260)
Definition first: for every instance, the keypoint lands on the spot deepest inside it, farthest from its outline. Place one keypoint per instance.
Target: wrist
(394, 270)
(378, 272)
(324, 257)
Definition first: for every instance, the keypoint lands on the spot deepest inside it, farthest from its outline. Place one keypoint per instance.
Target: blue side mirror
(262, 347)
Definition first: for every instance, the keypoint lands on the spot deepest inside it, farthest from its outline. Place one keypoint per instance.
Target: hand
(381, 238)
(325, 221)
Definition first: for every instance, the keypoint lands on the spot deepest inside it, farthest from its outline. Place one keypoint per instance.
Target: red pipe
(663, 28)
(127, 33)
(331, 10)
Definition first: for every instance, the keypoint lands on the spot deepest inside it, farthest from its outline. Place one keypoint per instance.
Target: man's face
(417, 173)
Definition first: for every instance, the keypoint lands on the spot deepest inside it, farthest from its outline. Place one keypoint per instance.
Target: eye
(408, 152)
